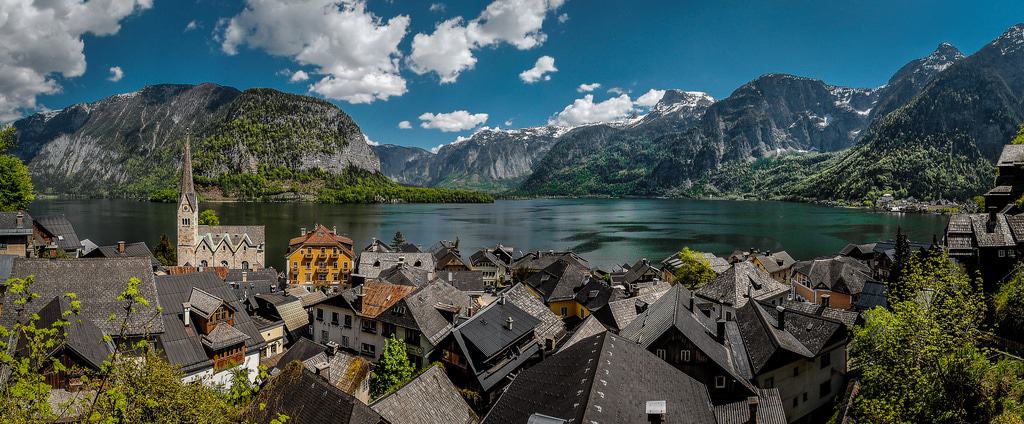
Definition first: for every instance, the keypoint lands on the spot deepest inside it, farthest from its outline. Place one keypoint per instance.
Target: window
(565, 311)
(309, 276)
(388, 330)
(805, 396)
(368, 349)
(412, 337)
(684, 355)
(224, 264)
(370, 327)
(1012, 253)
(245, 264)
(334, 318)
(824, 389)
(796, 401)
(203, 264)
(344, 265)
(324, 335)
(719, 381)
(273, 349)
(295, 264)
(1002, 253)
(344, 341)
(660, 353)
(319, 314)
(826, 360)
(348, 321)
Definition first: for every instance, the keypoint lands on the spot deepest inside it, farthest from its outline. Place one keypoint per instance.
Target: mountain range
(932, 131)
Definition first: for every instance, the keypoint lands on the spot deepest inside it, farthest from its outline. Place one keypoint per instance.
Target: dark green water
(607, 232)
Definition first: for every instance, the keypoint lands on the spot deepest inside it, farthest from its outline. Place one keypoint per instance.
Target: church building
(231, 246)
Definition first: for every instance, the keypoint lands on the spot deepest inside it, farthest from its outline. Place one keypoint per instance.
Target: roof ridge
(589, 387)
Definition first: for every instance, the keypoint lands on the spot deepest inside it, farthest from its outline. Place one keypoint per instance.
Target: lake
(605, 231)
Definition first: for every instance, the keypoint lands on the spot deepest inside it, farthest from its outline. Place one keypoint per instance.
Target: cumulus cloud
(586, 88)
(618, 91)
(437, 7)
(545, 65)
(43, 40)
(448, 51)
(563, 18)
(355, 51)
(370, 142)
(586, 111)
(458, 120)
(115, 74)
(405, 125)
(298, 76)
(191, 25)
(650, 98)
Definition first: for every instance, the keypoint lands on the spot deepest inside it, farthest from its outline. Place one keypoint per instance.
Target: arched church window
(204, 264)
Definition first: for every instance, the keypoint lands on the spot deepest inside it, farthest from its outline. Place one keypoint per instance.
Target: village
(490, 334)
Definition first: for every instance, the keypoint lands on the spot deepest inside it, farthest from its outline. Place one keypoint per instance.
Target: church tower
(188, 212)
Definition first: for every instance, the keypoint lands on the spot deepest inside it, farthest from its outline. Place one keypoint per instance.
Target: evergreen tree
(165, 252)
(209, 217)
(895, 288)
(398, 240)
(393, 369)
(15, 183)
(694, 270)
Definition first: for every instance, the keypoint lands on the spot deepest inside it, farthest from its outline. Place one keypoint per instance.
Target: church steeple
(187, 189)
(188, 212)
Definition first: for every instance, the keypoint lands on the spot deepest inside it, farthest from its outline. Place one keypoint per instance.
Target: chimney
(750, 291)
(20, 219)
(691, 303)
(187, 315)
(334, 229)
(641, 306)
(501, 299)
(120, 246)
(752, 403)
(655, 411)
(332, 347)
(245, 276)
(323, 369)
(782, 317)
(508, 323)
(824, 300)
(644, 261)
(991, 224)
(302, 231)
(451, 276)
(720, 327)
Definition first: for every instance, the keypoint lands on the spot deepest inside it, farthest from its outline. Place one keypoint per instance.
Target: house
(840, 280)
(305, 351)
(230, 246)
(847, 317)
(619, 313)
(670, 264)
(55, 236)
(589, 327)
(372, 264)
(557, 285)
(319, 258)
(304, 397)
(765, 408)
(16, 234)
(249, 283)
(705, 348)
(288, 309)
(348, 372)
(84, 349)
(776, 264)
(801, 354)
(731, 289)
(599, 380)
(404, 274)
(125, 250)
(495, 263)
(1009, 185)
(537, 260)
(382, 247)
(426, 316)
(591, 298)
(639, 273)
(97, 284)
(350, 317)
(208, 334)
(430, 398)
(551, 329)
(987, 243)
(447, 257)
(472, 283)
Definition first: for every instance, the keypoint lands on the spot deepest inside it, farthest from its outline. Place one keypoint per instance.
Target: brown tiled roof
(378, 297)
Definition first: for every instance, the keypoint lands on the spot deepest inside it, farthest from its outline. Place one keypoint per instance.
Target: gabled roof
(858, 249)
(731, 286)
(775, 261)
(404, 274)
(539, 259)
(348, 371)
(641, 270)
(223, 335)
(61, 229)
(289, 308)
(872, 296)
(594, 295)
(83, 337)
(551, 326)
(421, 310)
(203, 303)
(378, 297)
(769, 409)
(559, 281)
(98, 283)
(233, 235)
(9, 224)
(371, 264)
(487, 331)
(848, 318)
(467, 281)
(604, 379)
(302, 350)
(322, 236)
(842, 274)
(768, 346)
(307, 398)
(589, 327)
(673, 312)
(430, 398)
(620, 313)
(1012, 155)
(445, 252)
(131, 250)
(184, 346)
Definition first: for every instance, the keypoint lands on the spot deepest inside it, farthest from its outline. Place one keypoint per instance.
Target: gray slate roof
(622, 312)
(731, 286)
(203, 303)
(420, 310)
(9, 224)
(371, 264)
(589, 327)
(84, 338)
(289, 308)
(222, 336)
(302, 350)
(604, 379)
(185, 347)
(131, 250)
(98, 283)
(307, 398)
(768, 346)
(1012, 155)
(551, 327)
(487, 331)
(467, 281)
(776, 261)
(559, 281)
(430, 398)
(848, 318)
(233, 234)
(404, 274)
(61, 229)
(841, 274)
(769, 409)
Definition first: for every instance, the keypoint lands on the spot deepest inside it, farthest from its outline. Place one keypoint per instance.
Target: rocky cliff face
(130, 144)
(912, 77)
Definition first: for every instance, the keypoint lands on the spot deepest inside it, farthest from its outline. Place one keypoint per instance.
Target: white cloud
(650, 98)
(191, 25)
(437, 7)
(508, 123)
(115, 74)
(355, 50)
(586, 88)
(458, 120)
(405, 125)
(585, 111)
(370, 142)
(42, 39)
(563, 18)
(298, 76)
(448, 51)
(545, 65)
(618, 90)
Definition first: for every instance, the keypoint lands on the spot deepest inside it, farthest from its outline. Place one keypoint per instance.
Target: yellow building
(319, 258)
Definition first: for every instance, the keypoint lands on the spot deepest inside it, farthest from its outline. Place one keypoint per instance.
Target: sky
(422, 73)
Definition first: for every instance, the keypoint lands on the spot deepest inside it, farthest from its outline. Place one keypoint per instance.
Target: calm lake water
(605, 231)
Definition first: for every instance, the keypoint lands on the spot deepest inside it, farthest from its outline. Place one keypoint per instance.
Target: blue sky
(711, 46)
